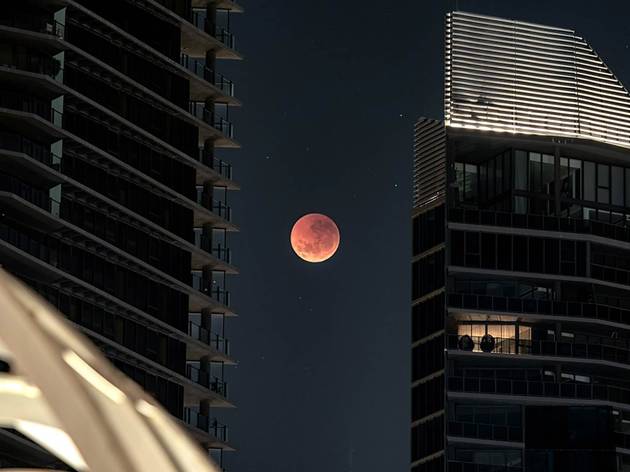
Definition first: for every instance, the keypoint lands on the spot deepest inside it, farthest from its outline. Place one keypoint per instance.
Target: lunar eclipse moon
(315, 237)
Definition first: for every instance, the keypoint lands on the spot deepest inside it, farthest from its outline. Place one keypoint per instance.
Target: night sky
(330, 93)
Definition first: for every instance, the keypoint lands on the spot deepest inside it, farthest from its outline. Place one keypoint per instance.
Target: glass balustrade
(205, 379)
(207, 424)
(218, 343)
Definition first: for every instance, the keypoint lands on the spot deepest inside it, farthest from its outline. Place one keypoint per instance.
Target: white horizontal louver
(510, 76)
(429, 165)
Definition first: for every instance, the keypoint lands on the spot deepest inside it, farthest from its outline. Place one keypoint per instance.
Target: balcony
(457, 466)
(538, 388)
(609, 274)
(199, 110)
(36, 63)
(581, 347)
(15, 142)
(218, 207)
(37, 197)
(214, 291)
(597, 311)
(198, 67)
(221, 209)
(216, 342)
(29, 104)
(34, 23)
(218, 250)
(490, 432)
(221, 33)
(539, 222)
(205, 379)
(221, 167)
(206, 424)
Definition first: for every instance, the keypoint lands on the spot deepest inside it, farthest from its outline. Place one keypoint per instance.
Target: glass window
(507, 171)
(520, 205)
(589, 181)
(534, 172)
(616, 184)
(602, 175)
(603, 183)
(548, 173)
(470, 184)
(499, 175)
(520, 170)
(575, 175)
(483, 181)
(491, 179)
(564, 168)
(464, 413)
(459, 176)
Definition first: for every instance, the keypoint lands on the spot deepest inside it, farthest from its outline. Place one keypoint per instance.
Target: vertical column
(211, 18)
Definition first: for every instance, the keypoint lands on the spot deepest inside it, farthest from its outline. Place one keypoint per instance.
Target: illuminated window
(504, 335)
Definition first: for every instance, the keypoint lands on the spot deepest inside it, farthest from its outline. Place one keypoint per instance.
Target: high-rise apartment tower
(521, 257)
(113, 192)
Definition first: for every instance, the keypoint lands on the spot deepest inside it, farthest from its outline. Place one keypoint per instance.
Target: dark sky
(330, 93)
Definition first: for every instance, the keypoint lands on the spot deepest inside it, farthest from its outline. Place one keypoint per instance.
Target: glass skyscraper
(114, 190)
(521, 257)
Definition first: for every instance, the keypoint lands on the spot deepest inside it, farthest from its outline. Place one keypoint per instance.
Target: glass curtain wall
(524, 182)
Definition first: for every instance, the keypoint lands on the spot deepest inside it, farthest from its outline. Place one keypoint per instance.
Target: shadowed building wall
(114, 191)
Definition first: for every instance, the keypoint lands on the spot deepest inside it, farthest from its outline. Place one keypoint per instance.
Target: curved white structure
(64, 395)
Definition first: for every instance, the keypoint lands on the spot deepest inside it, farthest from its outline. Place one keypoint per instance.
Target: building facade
(521, 257)
(114, 192)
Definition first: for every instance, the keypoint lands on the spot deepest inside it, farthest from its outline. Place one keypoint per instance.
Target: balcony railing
(212, 290)
(38, 64)
(221, 209)
(491, 432)
(610, 274)
(207, 424)
(583, 347)
(35, 23)
(539, 222)
(17, 143)
(218, 250)
(29, 104)
(544, 307)
(457, 466)
(218, 343)
(218, 207)
(219, 165)
(222, 253)
(205, 379)
(569, 390)
(200, 20)
(199, 110)
(211, 76)
(29, 193)
(224, 35)
(36, 247)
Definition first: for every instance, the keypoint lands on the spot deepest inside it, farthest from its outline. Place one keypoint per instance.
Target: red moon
(315, 237)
